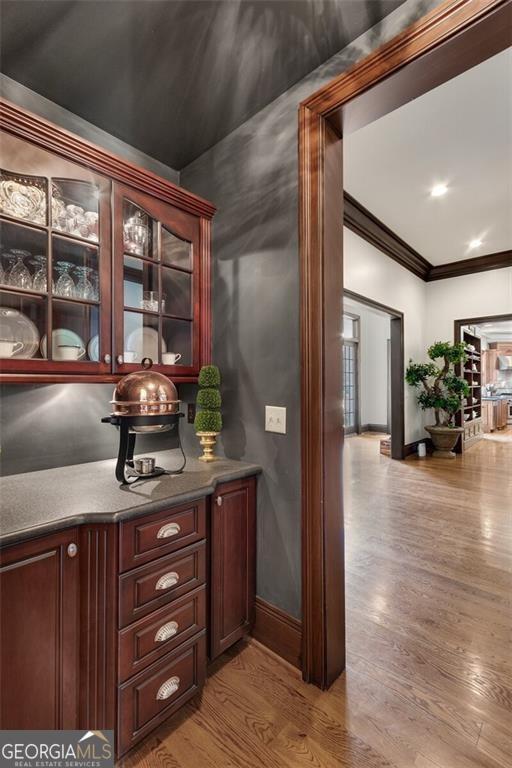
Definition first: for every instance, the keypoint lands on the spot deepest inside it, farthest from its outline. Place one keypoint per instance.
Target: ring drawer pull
(168, 688)
(166, 531)
(166, 631)
(167, 580)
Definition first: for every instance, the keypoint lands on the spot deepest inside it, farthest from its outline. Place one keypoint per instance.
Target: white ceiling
(459, 134)
(497, 331)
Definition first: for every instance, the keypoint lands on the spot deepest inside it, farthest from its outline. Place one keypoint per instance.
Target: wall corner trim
(278, 631)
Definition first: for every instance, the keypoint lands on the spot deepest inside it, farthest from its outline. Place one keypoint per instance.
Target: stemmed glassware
(40, 281)
(84, 288)
(19, 276)
(65, 285)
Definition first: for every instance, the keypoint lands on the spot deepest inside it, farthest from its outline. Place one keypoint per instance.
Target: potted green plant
(442, 391)
(208, 421)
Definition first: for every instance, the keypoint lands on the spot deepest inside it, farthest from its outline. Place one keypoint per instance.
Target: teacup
(170, 358)
(129, 356)
(9, 348)
(69, 352)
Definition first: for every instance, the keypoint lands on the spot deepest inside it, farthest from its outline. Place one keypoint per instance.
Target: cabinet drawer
(153, 695)
(151, 586)
(162, 631)
(143, 540)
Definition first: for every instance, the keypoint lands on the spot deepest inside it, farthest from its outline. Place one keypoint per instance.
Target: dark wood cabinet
(113, 632)
(232, 553)
(102, 262)
(39, 634)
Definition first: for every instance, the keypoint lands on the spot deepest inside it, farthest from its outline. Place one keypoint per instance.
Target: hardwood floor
(429, 671)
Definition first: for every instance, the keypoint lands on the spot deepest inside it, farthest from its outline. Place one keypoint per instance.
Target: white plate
(65, 337)
(23, 201)
(15, 326)
(93, 349)
(144, 341)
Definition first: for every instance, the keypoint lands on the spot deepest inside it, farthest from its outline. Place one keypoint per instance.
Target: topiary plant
(209, 376)
(208, 417)
(442, 390)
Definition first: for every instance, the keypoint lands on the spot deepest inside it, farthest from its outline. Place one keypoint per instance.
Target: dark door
(233, 544)
(39, 634)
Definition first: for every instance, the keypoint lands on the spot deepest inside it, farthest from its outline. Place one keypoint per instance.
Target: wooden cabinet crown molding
(64, 143)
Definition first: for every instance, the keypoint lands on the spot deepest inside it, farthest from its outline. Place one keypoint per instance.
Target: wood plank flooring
(429, 615)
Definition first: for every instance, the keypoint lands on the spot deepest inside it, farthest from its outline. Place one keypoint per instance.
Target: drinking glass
(65, 284)
(19, 275)
(10, 259)
(39, 282)
(84, 288)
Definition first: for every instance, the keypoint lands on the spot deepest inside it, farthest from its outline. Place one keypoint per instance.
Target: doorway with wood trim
(457, 35)
(373, 376)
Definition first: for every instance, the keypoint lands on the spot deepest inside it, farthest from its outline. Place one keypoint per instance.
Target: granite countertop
(35, 503)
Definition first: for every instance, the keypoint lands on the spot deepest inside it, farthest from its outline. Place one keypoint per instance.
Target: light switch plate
(275, 419)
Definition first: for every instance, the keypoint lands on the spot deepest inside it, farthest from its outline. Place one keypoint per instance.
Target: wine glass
(19, 276)
(39, 282)
(84, 288)
(65, 285)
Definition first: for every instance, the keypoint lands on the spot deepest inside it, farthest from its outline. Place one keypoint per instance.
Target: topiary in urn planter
(208, 421)
(442, 391)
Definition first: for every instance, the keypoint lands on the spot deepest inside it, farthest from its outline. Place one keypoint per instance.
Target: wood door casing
(451, 38)
(39, 637)
(233, 554)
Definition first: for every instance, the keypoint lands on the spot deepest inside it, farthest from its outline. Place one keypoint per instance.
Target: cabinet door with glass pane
(157, 296)
(55, 264)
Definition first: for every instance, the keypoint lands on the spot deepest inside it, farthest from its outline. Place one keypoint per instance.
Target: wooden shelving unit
(470, 415)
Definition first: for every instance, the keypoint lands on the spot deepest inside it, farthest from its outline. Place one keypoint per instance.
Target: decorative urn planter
(444, 440)
(207, 441)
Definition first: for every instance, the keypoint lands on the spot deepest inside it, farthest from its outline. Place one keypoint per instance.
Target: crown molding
(485, 263)
(361, 221)
(44, 134)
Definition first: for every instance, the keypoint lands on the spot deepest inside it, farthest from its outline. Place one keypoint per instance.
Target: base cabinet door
(233, 570)
(39, 638)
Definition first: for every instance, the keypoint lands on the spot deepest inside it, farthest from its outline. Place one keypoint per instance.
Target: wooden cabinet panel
(162, 631)
(233, 581)
(39, 634)
(155, 535)
(152, 696)
(150, 586)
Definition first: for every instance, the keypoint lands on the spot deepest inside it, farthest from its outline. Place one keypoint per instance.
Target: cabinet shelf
(62, 235)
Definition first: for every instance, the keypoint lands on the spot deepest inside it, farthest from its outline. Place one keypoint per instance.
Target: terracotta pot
(445, 440)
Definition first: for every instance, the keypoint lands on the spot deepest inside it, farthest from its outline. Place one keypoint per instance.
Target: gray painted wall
(252, 178)
(55, 425)
(30, 100)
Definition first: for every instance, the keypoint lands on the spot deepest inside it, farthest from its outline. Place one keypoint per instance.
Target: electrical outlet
(275, 419)
(191, 412)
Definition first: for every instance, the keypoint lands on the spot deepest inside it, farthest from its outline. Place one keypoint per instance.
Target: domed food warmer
(144, 402)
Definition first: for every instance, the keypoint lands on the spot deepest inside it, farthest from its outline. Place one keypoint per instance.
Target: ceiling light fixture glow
(438, 190)
(476, 243)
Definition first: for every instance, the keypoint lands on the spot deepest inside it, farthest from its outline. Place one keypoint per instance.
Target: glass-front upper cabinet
(157, 285)
(55, 264)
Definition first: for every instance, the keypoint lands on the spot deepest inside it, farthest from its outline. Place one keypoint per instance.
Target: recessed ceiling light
(438, 190)
(476, 243)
